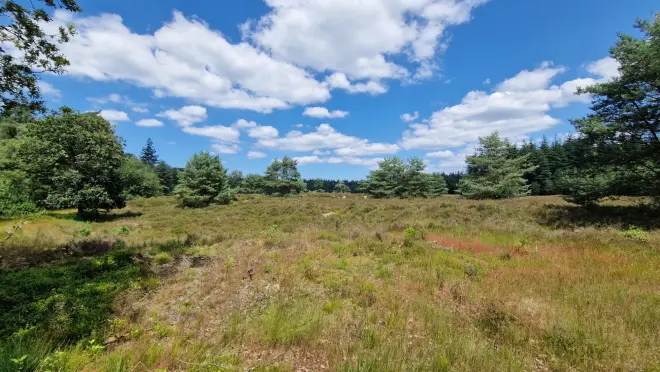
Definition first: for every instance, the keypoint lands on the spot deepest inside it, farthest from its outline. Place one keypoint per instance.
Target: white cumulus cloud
(149, 123)
(322, 112)
(186, 115)
(255, 155)
(114, 115)
(410, 117)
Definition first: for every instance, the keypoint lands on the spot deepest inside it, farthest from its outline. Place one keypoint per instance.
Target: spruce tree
(415, 183)
(149, 156)
(436, 184)
(341, 187)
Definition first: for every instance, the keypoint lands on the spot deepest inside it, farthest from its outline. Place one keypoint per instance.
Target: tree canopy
(282, 178)
(149, 155)
(31, 51)
(203, 182)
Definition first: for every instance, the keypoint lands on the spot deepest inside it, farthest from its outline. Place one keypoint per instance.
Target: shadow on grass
(102, 217)
(571, 216)
(63, 303)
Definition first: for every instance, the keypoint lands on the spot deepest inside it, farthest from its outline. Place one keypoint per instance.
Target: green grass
(378, 285)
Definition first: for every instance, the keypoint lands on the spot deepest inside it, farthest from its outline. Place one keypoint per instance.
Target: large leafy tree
(236, 179)
(494, 172)
(203, 182)
(26, 50)
(149, 155)
(282, 178)
(625, 123)
(253, 184)
(73, 160)
(139, 179)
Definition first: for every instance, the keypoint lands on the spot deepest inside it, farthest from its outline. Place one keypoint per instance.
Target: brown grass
(487, 285)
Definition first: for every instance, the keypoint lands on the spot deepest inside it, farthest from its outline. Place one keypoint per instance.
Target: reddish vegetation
(473, 246)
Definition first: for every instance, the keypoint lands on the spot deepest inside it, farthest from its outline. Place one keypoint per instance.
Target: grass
(282, 284)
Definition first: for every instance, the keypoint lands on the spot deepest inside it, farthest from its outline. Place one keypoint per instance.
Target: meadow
(337, 283)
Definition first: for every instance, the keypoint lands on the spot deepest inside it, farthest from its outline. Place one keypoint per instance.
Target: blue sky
(338, 84)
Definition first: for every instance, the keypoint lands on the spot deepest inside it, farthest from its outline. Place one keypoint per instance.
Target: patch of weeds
(229, 263)
(85, 231)
(290, 324)
(163, 330)
(635, 233)
(122, 230)
(66, 302)
(163, 258)
(272, 229)
(328, 235)
(383, 272)
(332, 306)
(367, 294)
(493, 320)
(506, 256)
(341, 264)
(369, 338)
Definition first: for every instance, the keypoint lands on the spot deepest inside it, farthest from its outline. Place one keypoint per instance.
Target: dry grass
(524, 284)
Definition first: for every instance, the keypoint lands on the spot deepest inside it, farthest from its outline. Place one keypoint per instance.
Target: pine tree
(203, 182)
(282, 178)
(341, 187)
(436, 184)
(415, 183)
(149, 155)
(387, 180)
(167, 176)
(494, 175)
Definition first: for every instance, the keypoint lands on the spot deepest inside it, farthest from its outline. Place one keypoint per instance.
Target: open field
(342, 284)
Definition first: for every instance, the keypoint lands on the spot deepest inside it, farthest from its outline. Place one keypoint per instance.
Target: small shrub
(409, 235)
(163, 258)
(635, 233)
(122, 230)
(85, 231)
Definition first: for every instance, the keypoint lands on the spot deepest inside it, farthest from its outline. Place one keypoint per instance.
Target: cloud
(217, 132)
(486, 82)
(607, 68)
(149, 123)
(185, 58)
(326, 137)
(114, 115)
(518, 106)
(440, 154)
(322, 112)
(408, 117)
(48, 89)
(255, 155)
(338, 80)
(121, 100)
(263, 132)
(358, 38)
(244, 124)
(186, 115)
(313, 159)
(171, 143)
(526, 81)
(223, 148)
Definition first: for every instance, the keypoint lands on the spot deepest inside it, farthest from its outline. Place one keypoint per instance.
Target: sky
(336, 84)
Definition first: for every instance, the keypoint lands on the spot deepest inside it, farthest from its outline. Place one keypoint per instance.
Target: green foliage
(235, 180)
(34, 51)
(625, 122)
(318, 185)
(253, 184)
(394, 178)
(341, 187)
(162, 258)
(635, 233)
(167, 176)
(493, 173)
(586, 187)
(436, 184)
(73, 161)
(148, 155)
(203, 182)
(282, 178)
(409, 236)
(139, 179)
(64, 302)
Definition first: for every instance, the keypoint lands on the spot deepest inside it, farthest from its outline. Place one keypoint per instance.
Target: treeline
(323, 185)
